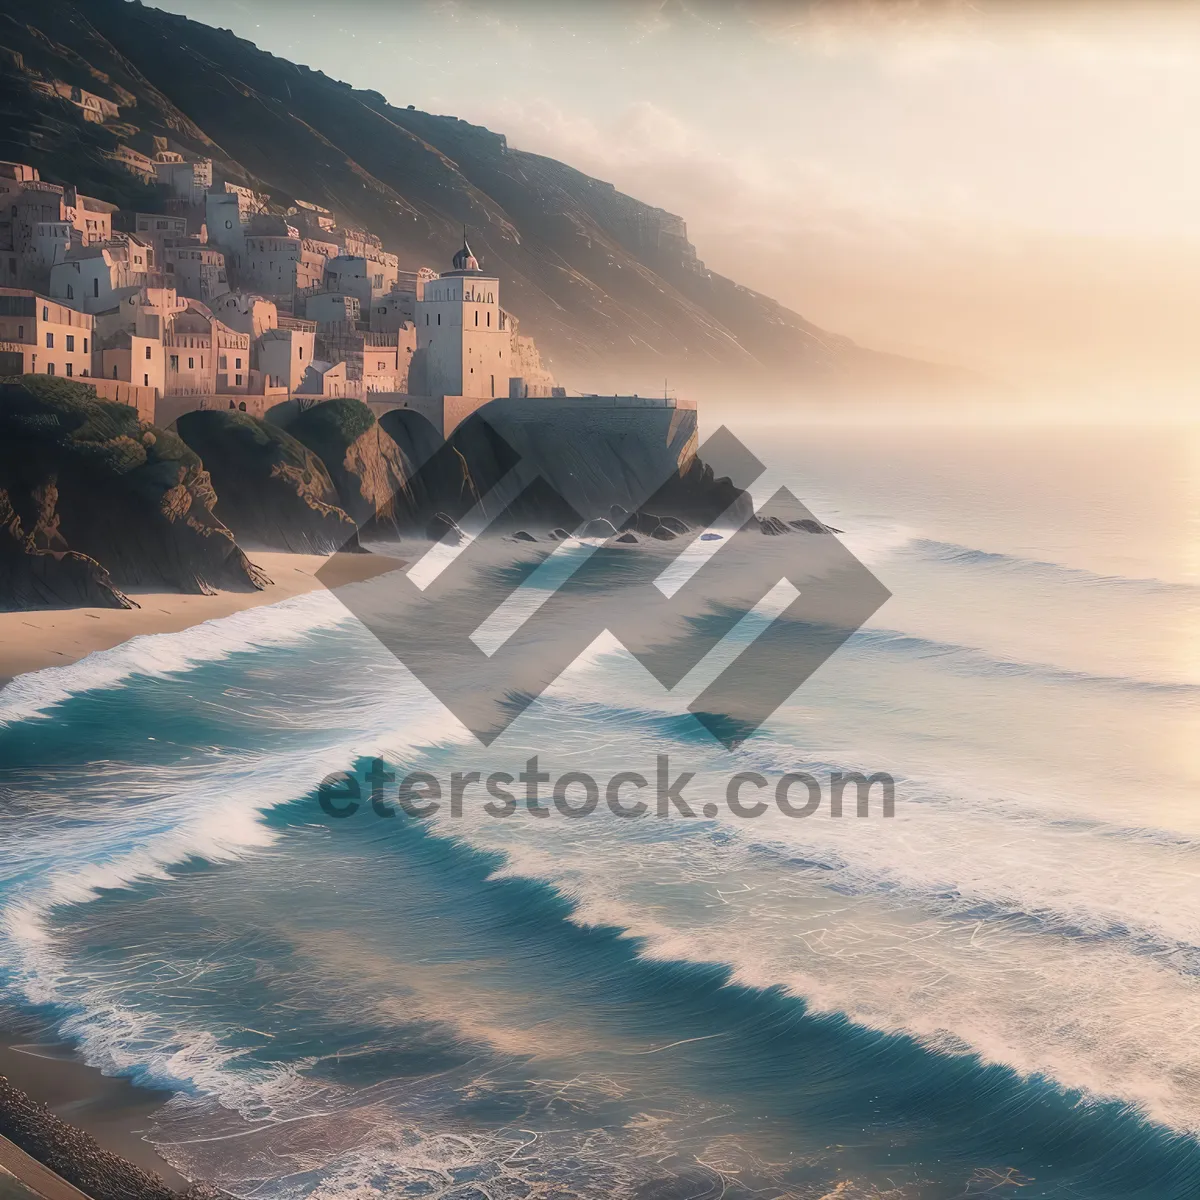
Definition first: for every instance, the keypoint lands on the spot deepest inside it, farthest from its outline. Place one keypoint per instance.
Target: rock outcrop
(33, 576)
(369, 471)
(126, 494)
(271, 489)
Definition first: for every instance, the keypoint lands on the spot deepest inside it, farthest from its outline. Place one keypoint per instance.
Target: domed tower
(465, 260)
(464, 332)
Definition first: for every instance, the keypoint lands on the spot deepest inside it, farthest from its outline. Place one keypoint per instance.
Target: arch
(413, 432)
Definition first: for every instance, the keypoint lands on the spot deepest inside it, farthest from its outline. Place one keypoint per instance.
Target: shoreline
(113, 1110)
(54, 1107)
(32, 639)
(67, 1129)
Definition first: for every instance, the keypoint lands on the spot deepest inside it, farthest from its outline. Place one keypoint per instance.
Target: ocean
(991, 991)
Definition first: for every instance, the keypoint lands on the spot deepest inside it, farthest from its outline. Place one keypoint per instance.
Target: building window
(21, 333)
(96, 286)
(45, 312)
(439, 318)
(174, 362)
(147, 351)
(49, 341)
(223, 363)
(237, 362)
(477, 316)
(426, 318)
(70, 292)
(300, 351)
(70, 341)
(49, 368)
(237, 381)
(145, 381)
(85, 345)
(489, 320)
(191, 364)
(70, 368)
(114, 372)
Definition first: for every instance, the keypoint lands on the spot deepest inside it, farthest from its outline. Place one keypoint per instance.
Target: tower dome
(465, 260)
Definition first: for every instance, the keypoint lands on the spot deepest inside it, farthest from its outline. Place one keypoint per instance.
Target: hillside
(610, 287)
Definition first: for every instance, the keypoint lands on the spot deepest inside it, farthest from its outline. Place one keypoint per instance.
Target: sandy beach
(114, 1111)
(41, 638)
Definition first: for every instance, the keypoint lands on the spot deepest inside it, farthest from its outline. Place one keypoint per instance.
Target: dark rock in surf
(598, 528)
(442, 528)
(772, 526)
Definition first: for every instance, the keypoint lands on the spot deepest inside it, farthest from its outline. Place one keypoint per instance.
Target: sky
(1009, 187)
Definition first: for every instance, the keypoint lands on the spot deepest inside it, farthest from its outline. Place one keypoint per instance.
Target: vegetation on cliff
(86, 475)
(369, 470)
(271, 490)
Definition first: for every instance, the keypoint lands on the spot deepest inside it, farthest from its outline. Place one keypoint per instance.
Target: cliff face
(87, 476)
(37, 571)
(368, 469)
(271, 490)
(610, 287)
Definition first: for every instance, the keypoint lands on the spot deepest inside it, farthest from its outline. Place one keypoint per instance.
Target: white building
(284, 354)
(463, 332)
(39, 336)
(187, 180)
(196, 269)
(246, 312)
(92, 277)
(362, 277)
(223, 217)
(333, 309)
(282, 266)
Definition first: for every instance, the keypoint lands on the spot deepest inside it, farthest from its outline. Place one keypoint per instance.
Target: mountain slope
(609, 286)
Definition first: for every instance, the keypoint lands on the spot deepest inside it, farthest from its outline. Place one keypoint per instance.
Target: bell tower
(463, 331)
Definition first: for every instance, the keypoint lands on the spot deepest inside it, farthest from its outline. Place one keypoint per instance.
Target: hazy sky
(1010, 187)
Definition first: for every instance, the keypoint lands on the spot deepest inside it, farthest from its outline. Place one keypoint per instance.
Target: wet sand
(115, 1112)
(41, 638)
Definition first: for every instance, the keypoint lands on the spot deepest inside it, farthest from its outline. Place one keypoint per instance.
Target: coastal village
(222, 300)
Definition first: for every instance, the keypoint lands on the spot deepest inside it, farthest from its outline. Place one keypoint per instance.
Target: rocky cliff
(610, 287)
(84, 477)
(94, 501)
(271, 490)
(368, 469)
(36, 569)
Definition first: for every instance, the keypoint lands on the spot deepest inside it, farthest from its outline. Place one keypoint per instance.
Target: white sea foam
(157, 655)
